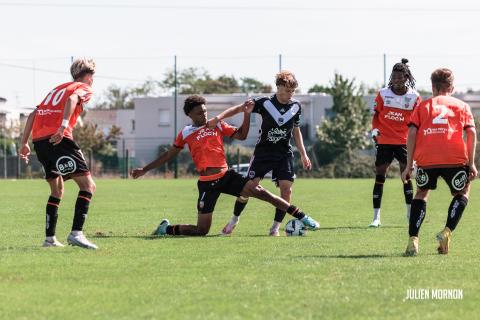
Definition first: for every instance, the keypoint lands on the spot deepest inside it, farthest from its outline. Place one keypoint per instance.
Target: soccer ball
(295, 227)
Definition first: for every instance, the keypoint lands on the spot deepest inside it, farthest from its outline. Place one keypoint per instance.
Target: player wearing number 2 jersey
(51, 126)
(436, 143)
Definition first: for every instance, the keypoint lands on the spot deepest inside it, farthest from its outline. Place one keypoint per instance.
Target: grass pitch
(343, 271)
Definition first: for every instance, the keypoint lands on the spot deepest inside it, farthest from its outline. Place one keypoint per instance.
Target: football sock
(275, 225)
(377, 193)
(295, 212)
(455, 211)
(376, 214)
(417, 214)
(234, 220)
(408, 192)
(81, 210)
(173, 230)
(51, 216)
(239, 206)
(279, 215)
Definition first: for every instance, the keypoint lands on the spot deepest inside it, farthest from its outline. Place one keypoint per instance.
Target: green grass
(343, 271)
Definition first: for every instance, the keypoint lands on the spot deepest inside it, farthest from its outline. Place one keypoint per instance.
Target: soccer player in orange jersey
(51, 125)
(436, 143)
(393, 107)
(206, 148)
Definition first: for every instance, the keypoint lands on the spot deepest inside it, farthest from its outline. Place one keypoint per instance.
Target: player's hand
(406, 175)
(137, 173)
(212, 123)
(58, 136)
(375, 134)
(472, 172)
(25, 152)
(307, 164)
(248, 106)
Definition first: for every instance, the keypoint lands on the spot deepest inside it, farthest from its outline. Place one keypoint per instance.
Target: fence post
(238, 159)
(126, 164)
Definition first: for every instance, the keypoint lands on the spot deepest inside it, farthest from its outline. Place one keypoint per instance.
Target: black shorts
(456, 178)
(208, 191)
(385, 153)
(282, 169)
(65, 159)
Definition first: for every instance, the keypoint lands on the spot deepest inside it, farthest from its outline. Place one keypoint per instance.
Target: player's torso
(49, 113)
(277, 125)
(395, 115)
(205, 145)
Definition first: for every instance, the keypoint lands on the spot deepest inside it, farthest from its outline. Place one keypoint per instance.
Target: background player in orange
(435, 142)
(51, 125)
(206, 148)
(393, 107)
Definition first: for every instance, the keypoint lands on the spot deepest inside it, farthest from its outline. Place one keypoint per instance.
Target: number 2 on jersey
(441, 119)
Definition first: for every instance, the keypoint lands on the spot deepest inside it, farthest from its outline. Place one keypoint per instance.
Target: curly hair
(286, 78)
(442, 79)
(405, 69)
(81, 67)
(191, 102)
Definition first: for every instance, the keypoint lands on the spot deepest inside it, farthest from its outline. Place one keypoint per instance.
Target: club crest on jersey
(65, 165)
(251, 174)
(280, 121)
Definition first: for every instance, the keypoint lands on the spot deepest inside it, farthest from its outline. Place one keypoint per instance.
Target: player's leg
(457, 180)
(56, 194)
(401, 156)
(257, 191)
(285, 187)
(380, 177)
(87, 189)
(426, 180)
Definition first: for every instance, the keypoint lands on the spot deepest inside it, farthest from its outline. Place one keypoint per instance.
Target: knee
(91, 187)
(202, 231)
(58, 193)
(286, 191)
(380, 178)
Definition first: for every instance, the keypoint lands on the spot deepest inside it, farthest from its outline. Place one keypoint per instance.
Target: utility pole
(175, 162)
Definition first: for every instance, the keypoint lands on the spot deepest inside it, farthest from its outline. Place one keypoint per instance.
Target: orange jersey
(206, 145)
(392, 114)
(49, 114)
(440, 122)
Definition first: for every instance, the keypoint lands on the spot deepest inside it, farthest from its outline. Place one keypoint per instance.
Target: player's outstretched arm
(411, 142)
(242, 132)
(471, 144)
(230, 112)
(25, 148)
(164, 157)
(297, 136)
(70, 105)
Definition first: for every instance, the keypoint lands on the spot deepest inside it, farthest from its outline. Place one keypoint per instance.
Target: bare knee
(57, 193)
(203, 230)
(90, 186)
(286, 192)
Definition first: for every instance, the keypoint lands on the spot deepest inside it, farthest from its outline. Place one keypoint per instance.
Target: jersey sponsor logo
(65, 165)
(279, 118)
(203, 133)
(459, 181)
(422, 178)
(395, 116)
(430, 131)
(276, 134)
(47, 112)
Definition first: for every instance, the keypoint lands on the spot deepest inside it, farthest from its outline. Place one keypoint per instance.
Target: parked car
(243, 169)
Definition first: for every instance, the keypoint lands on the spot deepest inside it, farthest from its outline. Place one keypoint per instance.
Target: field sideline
(343, 271)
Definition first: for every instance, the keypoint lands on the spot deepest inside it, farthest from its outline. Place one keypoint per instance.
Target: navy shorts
(282, 168)
(231, 183)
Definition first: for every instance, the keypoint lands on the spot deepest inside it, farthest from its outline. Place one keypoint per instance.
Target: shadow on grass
(361, 228)
(363, 256)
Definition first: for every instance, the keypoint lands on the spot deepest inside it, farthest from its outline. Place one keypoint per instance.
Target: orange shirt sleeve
(468, 120)
(415, 118)
(179, 141)
(377, 109)
(227, 130)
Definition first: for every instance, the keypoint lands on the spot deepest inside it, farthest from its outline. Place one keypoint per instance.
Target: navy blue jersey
(278, 121)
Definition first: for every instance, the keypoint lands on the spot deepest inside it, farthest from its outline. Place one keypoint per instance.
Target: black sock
(295, 212)
(408, 192)
(417, 214)
(52, 216)
(279, 215)
(238, 208)
(81, 210)
(378, 191)
(173, 230)
(455, 211)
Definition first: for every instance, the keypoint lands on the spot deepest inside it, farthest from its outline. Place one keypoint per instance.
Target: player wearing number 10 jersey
(51, 125)
(436, 143)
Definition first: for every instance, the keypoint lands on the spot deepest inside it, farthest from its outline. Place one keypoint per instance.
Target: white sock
(409, 206)
(234, 219)
(51, 239)
(76, 233)
(376, 213)
(275, 225)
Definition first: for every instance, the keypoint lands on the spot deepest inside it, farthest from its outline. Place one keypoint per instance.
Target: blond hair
(286, 78)
(81, 67)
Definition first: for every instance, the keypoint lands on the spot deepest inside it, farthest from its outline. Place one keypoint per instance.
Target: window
(164, 117)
